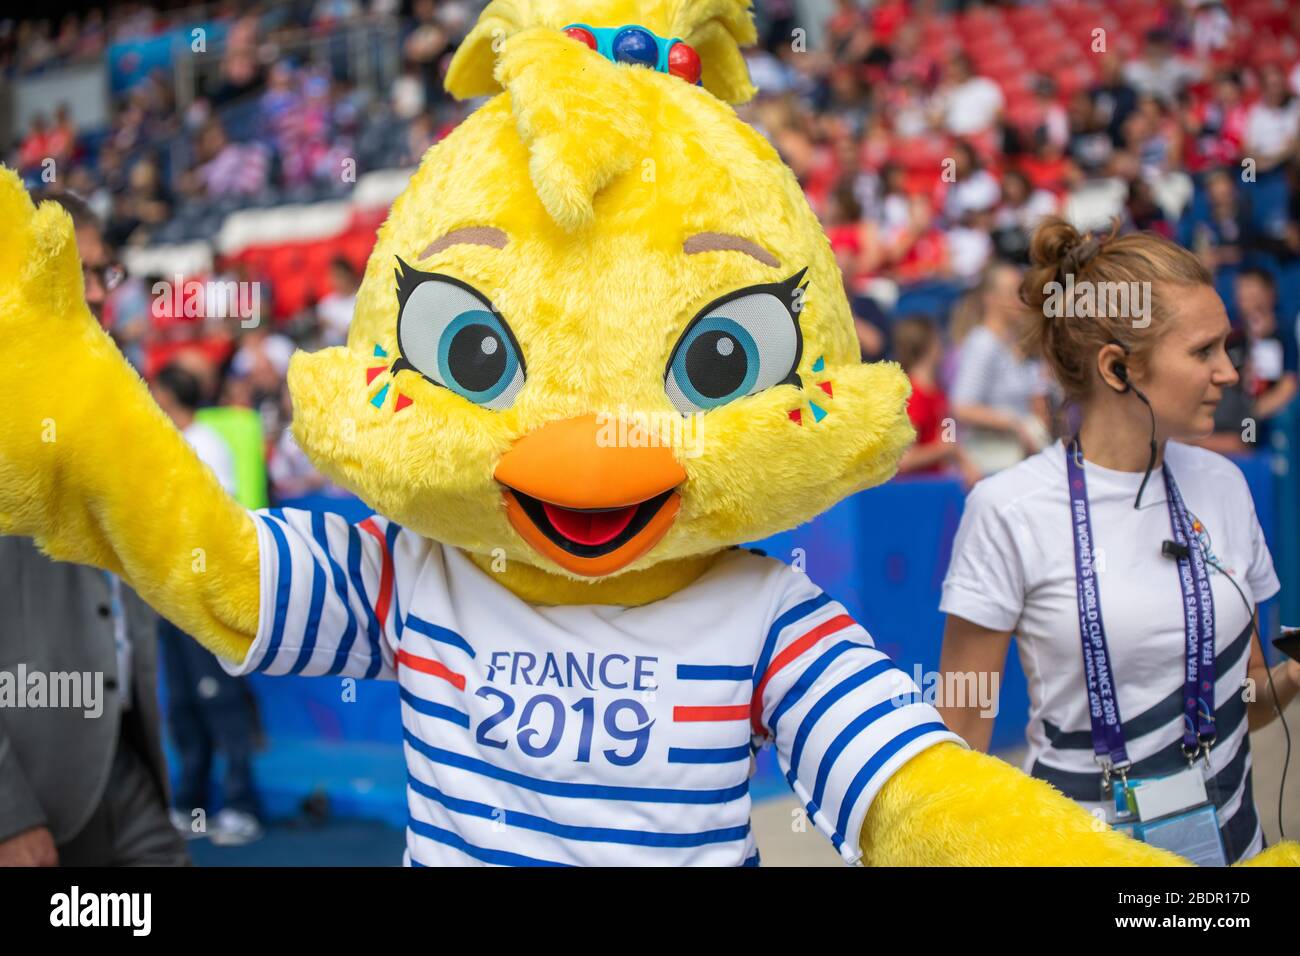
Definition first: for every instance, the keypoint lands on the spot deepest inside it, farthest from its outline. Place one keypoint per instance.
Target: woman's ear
(1112, 367)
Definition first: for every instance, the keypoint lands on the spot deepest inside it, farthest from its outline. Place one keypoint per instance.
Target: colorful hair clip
(636, 44)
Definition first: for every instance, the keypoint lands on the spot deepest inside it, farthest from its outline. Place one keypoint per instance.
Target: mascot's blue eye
(449, 334)
(736, 346)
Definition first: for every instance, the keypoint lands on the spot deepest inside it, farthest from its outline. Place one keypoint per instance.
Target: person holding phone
(1128, 563)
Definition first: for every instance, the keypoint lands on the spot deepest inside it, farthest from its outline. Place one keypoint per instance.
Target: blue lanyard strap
(1198, 625)
(1198, 604)
(1103, 705)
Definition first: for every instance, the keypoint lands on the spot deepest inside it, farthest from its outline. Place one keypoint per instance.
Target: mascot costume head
(601, 335)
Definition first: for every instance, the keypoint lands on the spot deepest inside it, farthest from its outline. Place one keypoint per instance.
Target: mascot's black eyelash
(790, 292)
(408, 279)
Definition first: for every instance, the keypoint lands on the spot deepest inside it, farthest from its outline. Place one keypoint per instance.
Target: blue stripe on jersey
(847, 735)
(499, 857)
(808, 678)
(321, 535)
(312, 627)
(566, 831)
(354, 572)
(558, 788)
(707, 755)
(436, 632)
(872, 766)
(752, 861)
(284, 585)
(390, 535)
(780, 624)
(827, 700)
(434, 709)
(715, 672)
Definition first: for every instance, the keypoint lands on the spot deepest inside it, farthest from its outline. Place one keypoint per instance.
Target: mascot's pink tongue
(589, 527)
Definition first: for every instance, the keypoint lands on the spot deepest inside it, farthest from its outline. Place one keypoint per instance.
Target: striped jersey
(591, 734)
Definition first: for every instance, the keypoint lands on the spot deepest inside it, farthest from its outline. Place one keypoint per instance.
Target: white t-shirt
(1013, 570)
(591, 734)
(972, 107)
(213, 452)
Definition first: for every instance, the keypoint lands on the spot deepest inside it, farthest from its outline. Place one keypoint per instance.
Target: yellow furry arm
(90, 467)
(949, 806)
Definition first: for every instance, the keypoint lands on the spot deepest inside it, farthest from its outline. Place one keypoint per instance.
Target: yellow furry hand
(90, 467)
(1286, 853)
(949, 806)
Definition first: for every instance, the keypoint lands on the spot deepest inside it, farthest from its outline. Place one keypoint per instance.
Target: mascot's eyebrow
(473, 235)
(712, 241)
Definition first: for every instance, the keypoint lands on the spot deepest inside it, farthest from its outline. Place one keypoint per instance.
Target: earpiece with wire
(1120, 371)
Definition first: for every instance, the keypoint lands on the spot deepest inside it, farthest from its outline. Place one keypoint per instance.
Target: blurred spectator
(919, 250)
(209, 711)
(1160, 72)
(918, 348)
(1271, 366)
(335, 308)
(1113, 98)
(1273, 122)
(229, 169)
(967, 104)
(999, 395)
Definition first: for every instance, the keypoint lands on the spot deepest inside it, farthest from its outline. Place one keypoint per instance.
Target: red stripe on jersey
(385, 575)
(722, 712)
(838, 623)
(426, 665)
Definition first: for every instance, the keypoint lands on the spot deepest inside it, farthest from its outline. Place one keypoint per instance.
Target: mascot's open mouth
(591, 506)
(590, 532)
(591, 541)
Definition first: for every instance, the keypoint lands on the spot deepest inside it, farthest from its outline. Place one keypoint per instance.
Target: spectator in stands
(142, 207)
(35, 147)
(999, 395)
(209, 711)
(919, 250)
(1088, 143)
(1113, 98)
(1222, 238)
(967, 104)
(1272, 364)
(229, 169)
(1160, 71)
(854, 240)
(973, 189)
(335, 308)
(1273, 122)
(918, 348)
(1019, 212)
(1216, 125)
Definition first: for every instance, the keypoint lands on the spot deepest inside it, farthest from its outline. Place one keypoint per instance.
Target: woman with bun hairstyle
(1125, 553)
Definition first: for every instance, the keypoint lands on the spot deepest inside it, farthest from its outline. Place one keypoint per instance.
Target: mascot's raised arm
(601, 341)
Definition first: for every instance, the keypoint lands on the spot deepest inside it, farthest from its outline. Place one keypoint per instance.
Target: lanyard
(1198, 624)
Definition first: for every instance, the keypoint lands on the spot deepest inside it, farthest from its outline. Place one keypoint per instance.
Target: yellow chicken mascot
(601, 341)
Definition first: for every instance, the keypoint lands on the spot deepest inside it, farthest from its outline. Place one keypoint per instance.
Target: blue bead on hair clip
(635, 44)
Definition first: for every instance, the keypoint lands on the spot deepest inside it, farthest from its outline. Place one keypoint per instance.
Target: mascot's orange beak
(587, 502)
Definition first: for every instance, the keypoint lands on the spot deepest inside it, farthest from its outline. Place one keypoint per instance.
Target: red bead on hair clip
(684, 62)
